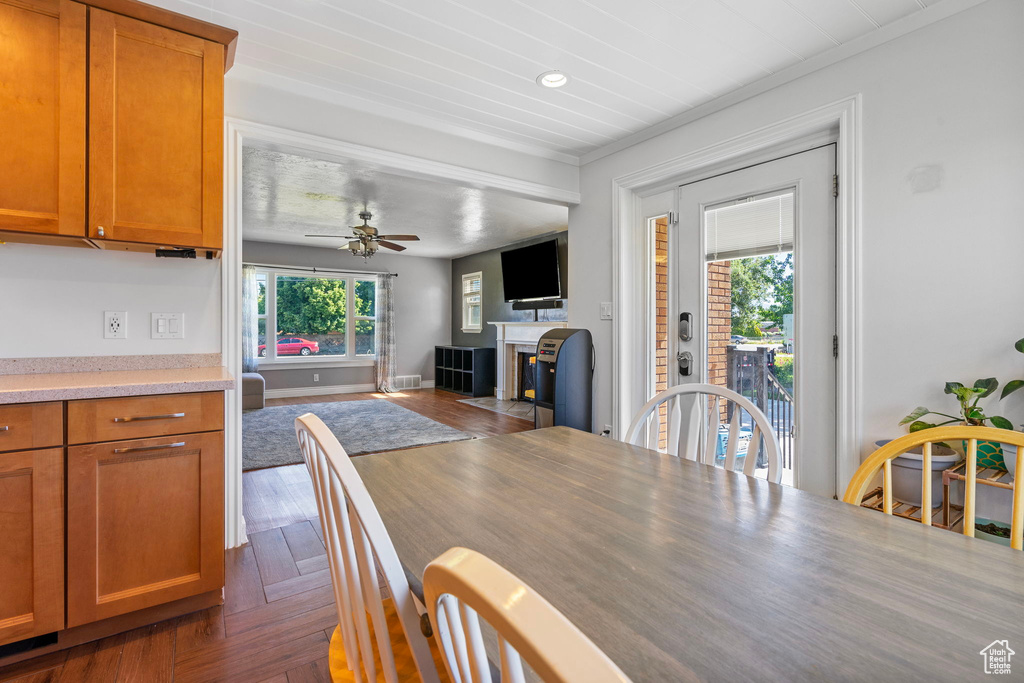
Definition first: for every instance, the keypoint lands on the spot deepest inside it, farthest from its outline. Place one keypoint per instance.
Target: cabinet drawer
(31, 425)
(114, 419)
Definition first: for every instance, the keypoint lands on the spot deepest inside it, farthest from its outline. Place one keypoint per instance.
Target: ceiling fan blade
(390, 245)
(366, 229)
(331, 236)
(401, 238)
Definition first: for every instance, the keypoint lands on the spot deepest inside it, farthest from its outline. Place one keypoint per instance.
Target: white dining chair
(357, 545)
(702, 424)
(462, 587)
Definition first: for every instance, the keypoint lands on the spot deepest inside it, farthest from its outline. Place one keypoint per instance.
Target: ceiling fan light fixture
(552, 79)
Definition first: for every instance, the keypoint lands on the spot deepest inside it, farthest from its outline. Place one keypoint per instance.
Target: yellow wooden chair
(883, 457)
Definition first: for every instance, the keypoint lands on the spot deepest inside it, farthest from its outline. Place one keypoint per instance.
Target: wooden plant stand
(948, 515)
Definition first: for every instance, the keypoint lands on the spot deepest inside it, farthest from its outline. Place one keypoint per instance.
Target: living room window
(472, 302)
(318, 317)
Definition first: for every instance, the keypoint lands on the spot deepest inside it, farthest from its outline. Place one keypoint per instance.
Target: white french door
(738, 241)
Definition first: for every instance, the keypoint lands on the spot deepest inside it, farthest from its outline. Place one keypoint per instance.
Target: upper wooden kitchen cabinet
(126, 95)
(42, 117)
(155, 134)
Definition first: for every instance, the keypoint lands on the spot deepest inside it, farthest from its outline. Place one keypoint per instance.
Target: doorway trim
(237, 133)
(839, 122)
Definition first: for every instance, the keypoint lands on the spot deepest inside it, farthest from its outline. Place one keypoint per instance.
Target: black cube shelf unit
(467, 370)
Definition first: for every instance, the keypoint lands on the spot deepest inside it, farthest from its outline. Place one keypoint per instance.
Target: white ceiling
(286, 196)
(472, 63)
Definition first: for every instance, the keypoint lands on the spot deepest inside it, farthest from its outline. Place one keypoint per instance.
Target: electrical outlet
(607, 430)
(115, 325)
(316, 377)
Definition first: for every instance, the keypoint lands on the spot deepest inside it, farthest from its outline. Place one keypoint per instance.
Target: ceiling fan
(365, 240)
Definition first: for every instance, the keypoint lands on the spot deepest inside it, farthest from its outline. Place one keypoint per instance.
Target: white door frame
(838, 122)
(238, 131)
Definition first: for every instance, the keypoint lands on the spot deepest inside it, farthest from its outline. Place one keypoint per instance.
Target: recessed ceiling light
(552, 79)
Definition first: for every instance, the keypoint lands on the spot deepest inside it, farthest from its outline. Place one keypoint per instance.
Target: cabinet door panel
(145, 523)
(42, 116)
(32, 557)
(155, 134)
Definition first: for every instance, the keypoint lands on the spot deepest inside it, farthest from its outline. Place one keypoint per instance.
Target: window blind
(749, 227)
(471, 284)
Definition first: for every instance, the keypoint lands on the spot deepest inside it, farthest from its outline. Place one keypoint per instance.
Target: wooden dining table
(680, 571)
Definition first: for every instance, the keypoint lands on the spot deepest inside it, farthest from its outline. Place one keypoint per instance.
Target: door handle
(685, 360)
(685, 327)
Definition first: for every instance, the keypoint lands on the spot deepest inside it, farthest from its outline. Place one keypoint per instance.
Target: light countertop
(61, 386)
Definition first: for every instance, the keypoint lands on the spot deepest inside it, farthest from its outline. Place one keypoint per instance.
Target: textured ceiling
(473, 63)
(286, 196)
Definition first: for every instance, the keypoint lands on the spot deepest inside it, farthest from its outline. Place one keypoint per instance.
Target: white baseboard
(320, 391)
(332, 389)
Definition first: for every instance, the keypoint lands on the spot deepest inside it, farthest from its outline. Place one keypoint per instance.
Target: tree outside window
(314, 314)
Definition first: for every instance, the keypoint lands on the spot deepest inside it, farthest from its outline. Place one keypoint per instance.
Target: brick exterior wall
(719, 320)
(661, 319)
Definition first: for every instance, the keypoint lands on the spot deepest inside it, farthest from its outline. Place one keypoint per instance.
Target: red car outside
(292, 346)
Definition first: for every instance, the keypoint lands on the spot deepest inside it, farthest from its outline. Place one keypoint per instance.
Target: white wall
(52, 301)
(943, 268)
(423, 309)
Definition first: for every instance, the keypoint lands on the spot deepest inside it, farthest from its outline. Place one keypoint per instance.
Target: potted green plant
(907, 467)
(970, 412)
(990, 454)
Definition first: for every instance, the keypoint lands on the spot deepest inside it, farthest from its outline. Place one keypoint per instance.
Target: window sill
(313, 362)
(473, 330)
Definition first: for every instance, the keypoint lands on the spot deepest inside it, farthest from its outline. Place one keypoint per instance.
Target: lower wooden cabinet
(145, 523)
(31, 543)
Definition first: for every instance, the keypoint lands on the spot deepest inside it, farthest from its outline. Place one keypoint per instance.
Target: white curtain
(384, 367)
(250, 294)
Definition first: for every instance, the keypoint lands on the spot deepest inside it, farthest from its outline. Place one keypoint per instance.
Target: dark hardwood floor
(278, 612)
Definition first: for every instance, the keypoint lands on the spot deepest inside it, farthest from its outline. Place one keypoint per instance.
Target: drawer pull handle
(149, 417)
(136, 449)
(5, 428)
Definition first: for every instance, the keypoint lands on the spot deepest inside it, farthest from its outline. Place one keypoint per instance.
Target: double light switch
(168, 326)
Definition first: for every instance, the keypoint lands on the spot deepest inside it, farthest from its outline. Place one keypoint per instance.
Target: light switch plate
(606, 310)
(168, 326)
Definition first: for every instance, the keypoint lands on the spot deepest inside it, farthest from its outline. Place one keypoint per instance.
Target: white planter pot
(906, 473)
(1010, 459)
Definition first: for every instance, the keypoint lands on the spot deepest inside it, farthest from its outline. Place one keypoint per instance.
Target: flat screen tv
(530, 273)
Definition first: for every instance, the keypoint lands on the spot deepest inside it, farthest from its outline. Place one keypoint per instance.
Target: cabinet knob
(99, 230)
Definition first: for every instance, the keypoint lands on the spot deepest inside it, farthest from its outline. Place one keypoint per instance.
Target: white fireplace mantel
(510, 336)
